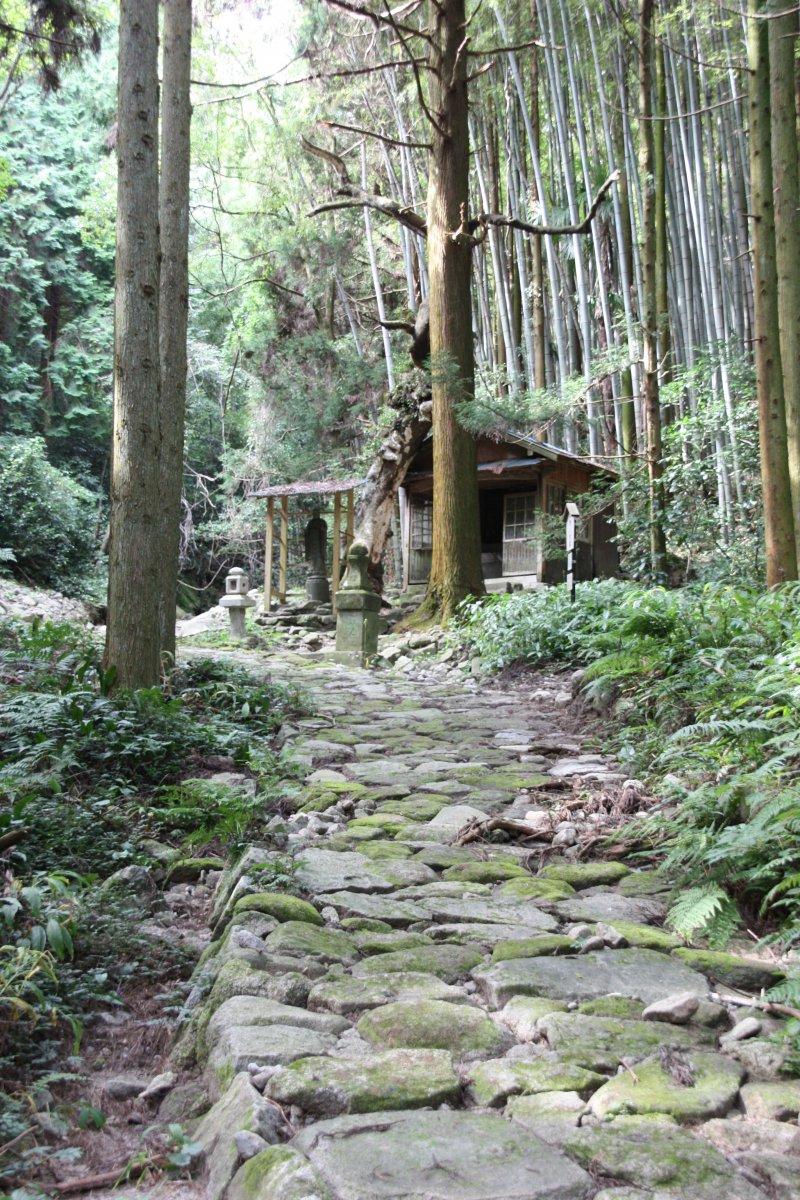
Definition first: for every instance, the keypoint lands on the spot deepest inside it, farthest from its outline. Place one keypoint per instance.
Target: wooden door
(520, 534)
(420, 539)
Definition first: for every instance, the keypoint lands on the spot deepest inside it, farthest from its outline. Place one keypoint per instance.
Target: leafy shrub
(47, 520)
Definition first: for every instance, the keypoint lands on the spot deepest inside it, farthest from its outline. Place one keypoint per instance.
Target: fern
(704, 910)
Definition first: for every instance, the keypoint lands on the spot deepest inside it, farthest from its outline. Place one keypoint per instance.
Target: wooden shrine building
(519, 480)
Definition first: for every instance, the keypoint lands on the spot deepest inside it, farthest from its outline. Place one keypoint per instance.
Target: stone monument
(316, 545)
(357, 607)
(237, 601)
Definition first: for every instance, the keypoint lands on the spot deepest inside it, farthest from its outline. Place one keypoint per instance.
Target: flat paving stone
(272, 1045)
(393, 1079)
(688, 1086)
(643, 975)
(448, 962)
(382, 907)
(611, 906)
(601, 1043)
(666, 1161)
(489, 911)
(258, 1010)
(322, 871)
(439, 1156)
(350, 995)
(433, 1024)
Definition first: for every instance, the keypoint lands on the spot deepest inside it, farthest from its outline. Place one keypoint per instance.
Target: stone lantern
(237, 601)
(357, 607)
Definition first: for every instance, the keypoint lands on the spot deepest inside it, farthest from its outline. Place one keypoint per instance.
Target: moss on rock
(491, 1083)
(690, 1086)
(747, 974)
(495, 871)
(527, 888)
(279, 905)
(434, 1025)
(546, 943)
(584, 875)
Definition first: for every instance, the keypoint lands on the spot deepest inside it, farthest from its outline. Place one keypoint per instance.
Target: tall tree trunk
(782, 35)
(662, 241)
(132, 635)
(537, 269)
(174, 305)
(779, 533)
(652, 404)
(456, 559)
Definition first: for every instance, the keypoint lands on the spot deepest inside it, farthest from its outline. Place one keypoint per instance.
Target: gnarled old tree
(441, 55)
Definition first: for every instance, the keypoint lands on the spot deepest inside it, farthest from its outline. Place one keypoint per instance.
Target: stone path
(385, 1014)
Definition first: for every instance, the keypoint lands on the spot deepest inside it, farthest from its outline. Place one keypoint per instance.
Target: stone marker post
(357, 607)
(237, 601)
(316, 543)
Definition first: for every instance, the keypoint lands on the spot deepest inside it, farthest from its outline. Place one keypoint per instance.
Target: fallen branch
(475, 829)
(767, 1006)
(106, 1179)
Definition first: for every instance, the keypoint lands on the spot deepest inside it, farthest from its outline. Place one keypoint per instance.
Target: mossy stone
(523, 1013)
(644, 883)
(434, 1025)
(650, 937)
(441, 857)
(279, 905)
(659, 1158)
(365, 925)
(486, 872)
(395, 1079)
(356, 833)
(658, 1088)
(278, 1172)
(380, 849)
(601, 1043)
(390, 822)
(584, 875)
(546, 943)
(387, 942)
(422, 807)
(447, 961)
(612, 1006)
(298, 937)
(747, 974)
(491, 1083)
(526, 888)
(184, 870)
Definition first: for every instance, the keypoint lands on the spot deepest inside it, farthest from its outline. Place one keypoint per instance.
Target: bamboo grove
(640, 331)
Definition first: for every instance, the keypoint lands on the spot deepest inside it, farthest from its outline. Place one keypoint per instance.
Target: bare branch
(382, 204)
(548, 230)
(353, 196)
(336, 160)
(379, 20)
(490, 50)
(382, 137)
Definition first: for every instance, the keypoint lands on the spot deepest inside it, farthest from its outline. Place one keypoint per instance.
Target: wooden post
(337, 546)
(268, 554)
(351, 518)
(571, 514)
(284, 549)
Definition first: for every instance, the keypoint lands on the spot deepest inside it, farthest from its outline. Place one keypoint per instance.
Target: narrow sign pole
(571, 514)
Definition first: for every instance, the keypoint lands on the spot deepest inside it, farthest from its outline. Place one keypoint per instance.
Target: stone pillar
(357, 607)
(237, 601)
(316, 544)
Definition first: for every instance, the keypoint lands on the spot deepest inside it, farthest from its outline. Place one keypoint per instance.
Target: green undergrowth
(93, 780)
(701, 688)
